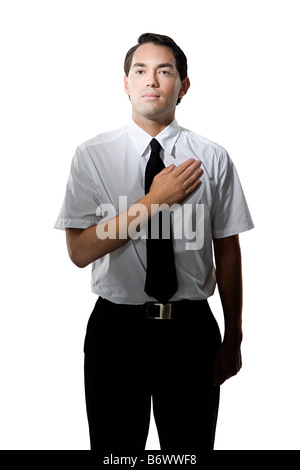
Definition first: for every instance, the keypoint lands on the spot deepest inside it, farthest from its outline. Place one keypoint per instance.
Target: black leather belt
(181, 309)
(172, 310)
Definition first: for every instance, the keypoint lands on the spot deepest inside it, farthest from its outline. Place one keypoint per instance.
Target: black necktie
(161, 280)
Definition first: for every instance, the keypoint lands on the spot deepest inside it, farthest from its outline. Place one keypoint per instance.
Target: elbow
(77, 259)
(76, 253)
(80, 264)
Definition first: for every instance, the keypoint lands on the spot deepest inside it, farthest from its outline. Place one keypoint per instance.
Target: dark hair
(160, 40)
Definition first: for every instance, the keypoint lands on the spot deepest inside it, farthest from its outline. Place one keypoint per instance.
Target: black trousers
(130, 358)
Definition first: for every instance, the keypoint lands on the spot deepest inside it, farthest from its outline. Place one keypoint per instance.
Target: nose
(152, 80)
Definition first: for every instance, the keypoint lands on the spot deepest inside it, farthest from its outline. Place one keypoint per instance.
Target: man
(151, 334)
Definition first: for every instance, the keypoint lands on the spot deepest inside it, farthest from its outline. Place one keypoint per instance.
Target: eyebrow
(160, 66)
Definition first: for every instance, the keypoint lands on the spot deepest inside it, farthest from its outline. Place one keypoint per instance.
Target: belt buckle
(165, 312)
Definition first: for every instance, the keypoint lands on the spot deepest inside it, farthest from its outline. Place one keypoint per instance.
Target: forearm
(168, 186)
(90, 244)
(229, 281)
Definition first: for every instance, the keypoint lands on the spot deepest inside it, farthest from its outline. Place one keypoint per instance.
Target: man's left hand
(228, 362)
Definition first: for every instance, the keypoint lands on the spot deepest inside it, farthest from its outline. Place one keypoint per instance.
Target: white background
(62, 83)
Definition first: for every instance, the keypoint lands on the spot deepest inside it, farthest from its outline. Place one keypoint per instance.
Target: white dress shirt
(113, 165)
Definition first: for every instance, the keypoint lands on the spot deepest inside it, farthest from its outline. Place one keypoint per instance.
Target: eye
(165, 72)
(140, 72)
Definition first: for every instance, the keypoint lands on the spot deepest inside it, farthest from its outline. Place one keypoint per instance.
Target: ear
(185, 85)
(126, 85)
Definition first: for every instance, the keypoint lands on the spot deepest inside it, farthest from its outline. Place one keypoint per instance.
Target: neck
(152, 127)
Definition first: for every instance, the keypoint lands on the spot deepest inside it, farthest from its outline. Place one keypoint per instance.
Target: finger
(166, 170)
(192, 178)
(191, 173)
(192, 188)
(216, 375)
(220, 378)
(169, 168)
(191, 162)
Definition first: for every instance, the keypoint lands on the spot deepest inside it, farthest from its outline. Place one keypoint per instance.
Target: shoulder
(213, 155)
(89, 153)
(103, 139)
(202, 142)
(100, 148)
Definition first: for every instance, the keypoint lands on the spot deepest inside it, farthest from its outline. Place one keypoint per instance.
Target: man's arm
(229, 279)
(172, 185)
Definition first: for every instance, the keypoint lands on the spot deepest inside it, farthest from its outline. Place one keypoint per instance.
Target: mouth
(150, 96)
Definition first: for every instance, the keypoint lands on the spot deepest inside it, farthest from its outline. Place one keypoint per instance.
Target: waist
(176, 310)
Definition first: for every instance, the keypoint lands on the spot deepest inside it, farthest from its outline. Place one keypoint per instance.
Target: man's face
(154, 84)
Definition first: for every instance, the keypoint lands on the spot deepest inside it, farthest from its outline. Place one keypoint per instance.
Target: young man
(151, 333)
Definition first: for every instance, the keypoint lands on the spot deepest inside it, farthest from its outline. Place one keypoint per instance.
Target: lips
(150, 95)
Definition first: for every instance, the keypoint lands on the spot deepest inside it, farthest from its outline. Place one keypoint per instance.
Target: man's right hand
(174, 184)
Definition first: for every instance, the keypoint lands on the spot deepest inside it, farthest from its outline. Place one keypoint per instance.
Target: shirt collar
(142, 139)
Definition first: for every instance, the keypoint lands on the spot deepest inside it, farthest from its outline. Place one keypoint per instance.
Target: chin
(152, 109)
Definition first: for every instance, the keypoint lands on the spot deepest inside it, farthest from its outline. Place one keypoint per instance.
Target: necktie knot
(154, 165)
(155, 146)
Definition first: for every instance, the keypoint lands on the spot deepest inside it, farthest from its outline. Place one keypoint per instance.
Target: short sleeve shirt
(108, 172)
